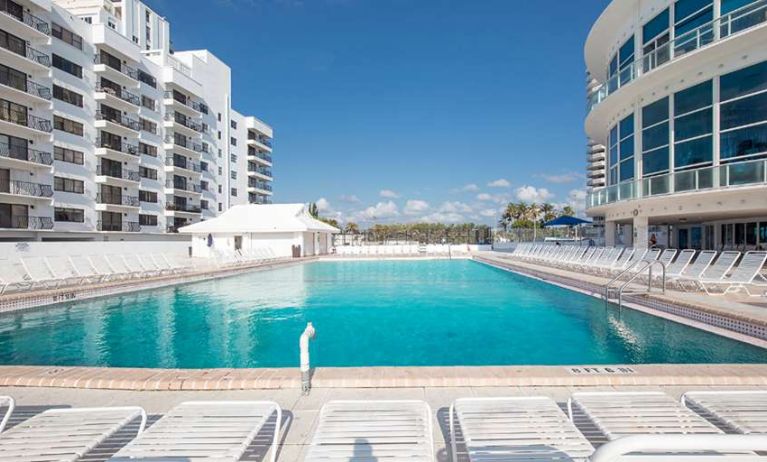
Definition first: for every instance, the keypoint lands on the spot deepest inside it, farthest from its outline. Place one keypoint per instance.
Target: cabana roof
(266, 218)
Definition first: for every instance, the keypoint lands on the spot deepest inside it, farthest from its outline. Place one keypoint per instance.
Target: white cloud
(388, 194)
(500, 183)
(443, 217)
(455, 207)
(380, 211)
(415, 207)
(350, 199)
(471, 187)
(323, 205)
(563, 178)
(488, 213)
(533, 194)
(497, 198)
(577, 200)
(484, 197)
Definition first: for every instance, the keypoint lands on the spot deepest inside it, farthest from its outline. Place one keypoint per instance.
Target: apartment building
(106, 133)
(680, 105)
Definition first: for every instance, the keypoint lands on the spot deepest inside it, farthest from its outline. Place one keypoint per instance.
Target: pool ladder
(615, 289)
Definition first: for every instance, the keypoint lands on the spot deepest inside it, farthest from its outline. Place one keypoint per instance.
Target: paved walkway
(300, 412)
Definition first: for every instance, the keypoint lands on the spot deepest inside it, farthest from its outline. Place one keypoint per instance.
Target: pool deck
(300, 413)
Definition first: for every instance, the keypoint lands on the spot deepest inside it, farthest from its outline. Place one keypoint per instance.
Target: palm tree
(567, 211)
(533, 212)
(351, 228)
(313, 210)
(549, 211)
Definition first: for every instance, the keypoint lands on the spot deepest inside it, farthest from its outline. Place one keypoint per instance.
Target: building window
(67, 155)
(68, 96)
(148, 173)
(219, 117)
(655, 138)
(689, 16)
(203, 166)
(233, 174)
(147, 79)
(233, 140)
(204, 185)
(147, 196)
(622, 151)
(147, 220)
(220, 189)
(66, 36)
(621, 68)
(68, 185)
(220, 171)
(67, 66)
(234, 192)
(69, 215)
(13, 78)
(693, 126)
(66, 125)
(148, 126)
(743, 113)
(148, 103)
(233, 124)
(147, 149)
(204, 204)
(220, 207)
(655, 41)
(12, 43)
(219, 134)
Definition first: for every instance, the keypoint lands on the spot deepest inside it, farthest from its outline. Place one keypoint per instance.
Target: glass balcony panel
(745, 173)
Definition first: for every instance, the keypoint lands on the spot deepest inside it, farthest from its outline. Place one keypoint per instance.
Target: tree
(331, 221)
(351, 228)
(549, 212)
(313, 210)
(567, 211)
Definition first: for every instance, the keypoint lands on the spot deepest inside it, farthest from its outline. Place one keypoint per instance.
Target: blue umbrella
(567, 221)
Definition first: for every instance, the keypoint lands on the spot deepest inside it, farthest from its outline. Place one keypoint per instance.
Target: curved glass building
(681, 106)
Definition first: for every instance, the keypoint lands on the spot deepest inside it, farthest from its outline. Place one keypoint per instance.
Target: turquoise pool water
(366, 314)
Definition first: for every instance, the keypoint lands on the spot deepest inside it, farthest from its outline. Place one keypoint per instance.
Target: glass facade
(655, 138)
(693, 126)
(743, 112)
(622, 151)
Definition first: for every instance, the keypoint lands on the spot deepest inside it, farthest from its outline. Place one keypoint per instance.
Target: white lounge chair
(742, 411)
(747, 274)
(619, 414)
(373, 430)
(522, 428)
(677, 268)
(13, 276)
(9, 404)
(695, 269)
(716, 271)
(218, 431)
(683, 448)
(65, 434)
(38, 274)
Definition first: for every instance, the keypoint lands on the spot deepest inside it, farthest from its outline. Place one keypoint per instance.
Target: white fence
(54, 249)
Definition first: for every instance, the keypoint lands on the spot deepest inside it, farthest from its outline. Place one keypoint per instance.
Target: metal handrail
(647, 265)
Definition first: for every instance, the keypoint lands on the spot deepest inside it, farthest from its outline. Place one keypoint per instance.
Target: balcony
(261, 171)
(26, 189)
(184, 208)
(23, 156)
(30, 125)
(263, 186)
(104, 174)
(186, 187)
(260, 140)
(24, 58)
(120, 124)
(123, 227)
(123, 151)
(186, 105)
(183, 124)
(117, 199)
(118, 97)
(262, 156)
(715, 31)
(186, 145)
(724, 177)
(28, 24)
(29, 223)
(25, 87)
(182, 164)
(121, 73)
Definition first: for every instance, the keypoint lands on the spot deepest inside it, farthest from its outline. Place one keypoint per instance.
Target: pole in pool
(303, 345)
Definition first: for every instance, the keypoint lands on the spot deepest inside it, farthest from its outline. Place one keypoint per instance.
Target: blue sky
(405, 110)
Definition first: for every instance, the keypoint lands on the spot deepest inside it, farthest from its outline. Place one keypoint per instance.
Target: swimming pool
(381, 313)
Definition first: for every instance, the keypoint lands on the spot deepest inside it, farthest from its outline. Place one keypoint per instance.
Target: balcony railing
(261, 155)
(25, 154)
(129, 175)
(185, 121)
(737, 174)
(263, 171)
(26, 222)
(30, 53)
(29, 19)
(123, 227)
(26, 85)
(187, 165)
(123, 94)
(119, 119)
(191, 187)
(261, 139)
(188, 102)
(259, 184)
(730, 24)
(26, 120)
(117, 199)
(25, 188)
(123, 69)
(125, 148)
(184, 143)
(183, 208)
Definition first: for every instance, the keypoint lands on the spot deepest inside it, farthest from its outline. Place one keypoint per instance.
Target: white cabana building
(286, 229)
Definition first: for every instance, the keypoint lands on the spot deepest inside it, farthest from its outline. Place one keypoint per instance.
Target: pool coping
(135, 379)
(726, 324)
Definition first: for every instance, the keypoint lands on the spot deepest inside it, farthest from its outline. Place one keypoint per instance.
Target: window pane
(692, 23)
(744, 111)
(685, 8)
(743, 142)
(655, 112)
(693, 152)
(732, 5)
(693, 98)
(692, 125)
(744, 81)
(614, 136)
(627, 126)
(627, 170)
(614, 155)
(655, 26)
(655, 137)
(627, 148)
(655, 161)
(626, 52)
